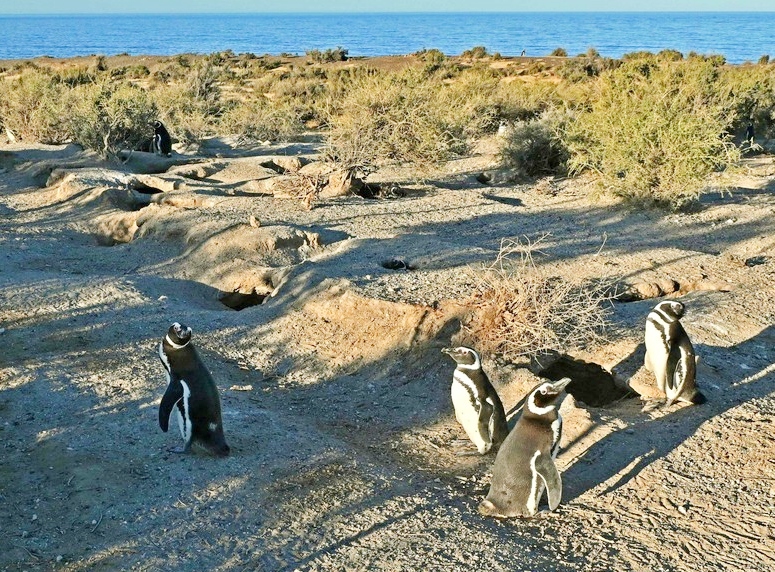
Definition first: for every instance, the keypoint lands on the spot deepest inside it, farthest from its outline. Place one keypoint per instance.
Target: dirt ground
(335, 395)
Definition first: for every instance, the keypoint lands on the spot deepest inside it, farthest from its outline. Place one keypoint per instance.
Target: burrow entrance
(591, 385)
(241, 300)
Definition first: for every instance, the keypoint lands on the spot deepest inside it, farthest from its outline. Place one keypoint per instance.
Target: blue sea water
(739, 36)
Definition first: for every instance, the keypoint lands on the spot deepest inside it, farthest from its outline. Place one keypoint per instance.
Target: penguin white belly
(467, 415)
(657, 352)
(184, 419)
(536, 487)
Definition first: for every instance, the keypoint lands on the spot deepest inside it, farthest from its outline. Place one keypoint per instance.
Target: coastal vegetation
(649, 127)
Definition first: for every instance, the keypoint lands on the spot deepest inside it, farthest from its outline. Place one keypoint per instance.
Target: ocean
(739, 36)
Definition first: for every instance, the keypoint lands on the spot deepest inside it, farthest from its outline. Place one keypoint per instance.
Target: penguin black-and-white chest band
(461, 377)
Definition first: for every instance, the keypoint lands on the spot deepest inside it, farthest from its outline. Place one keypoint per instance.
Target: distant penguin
(477, 405)
(162, 142)
(525, 465)
(749, 132)
(191, 393)
(670, 355)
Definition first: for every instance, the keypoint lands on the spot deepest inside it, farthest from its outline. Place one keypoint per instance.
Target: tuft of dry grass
(521, 311)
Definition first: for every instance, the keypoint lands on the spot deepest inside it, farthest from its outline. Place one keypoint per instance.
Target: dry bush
(300, 186)
(520, 311)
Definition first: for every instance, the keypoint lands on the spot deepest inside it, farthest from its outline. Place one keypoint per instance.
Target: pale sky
(220, 6)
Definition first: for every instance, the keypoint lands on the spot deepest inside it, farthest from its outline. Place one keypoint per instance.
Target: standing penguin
(162, 142)
(525, 465)
(670, 355)
(191, 394)
(477, 405)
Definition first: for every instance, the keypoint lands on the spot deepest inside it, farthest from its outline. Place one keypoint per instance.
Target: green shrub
(670, 55)
(559, 53)
(339, 54)
(32, 107)
(433, 59)
(476, 53)
(764, 60)
(108, 117)
(586, 66)
(392, 117)
(261, 120)
(535, 147)
(654, 130)
(203, 87)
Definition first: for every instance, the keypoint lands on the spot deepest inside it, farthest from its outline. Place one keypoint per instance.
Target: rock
(639, 291)
(115, 228)
(667, 286)
(285, 165)
(316, 169)
(341, 183)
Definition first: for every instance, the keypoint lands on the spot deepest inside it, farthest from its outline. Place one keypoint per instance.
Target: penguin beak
(558, 386)
(447, 351)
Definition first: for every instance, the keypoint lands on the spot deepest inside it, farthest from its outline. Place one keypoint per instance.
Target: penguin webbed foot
(469, 453)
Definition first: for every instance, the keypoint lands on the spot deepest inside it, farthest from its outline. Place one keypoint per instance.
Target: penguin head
(671, 308)
(464, 356)
(178, 335)
(157, 125)
(545, 397)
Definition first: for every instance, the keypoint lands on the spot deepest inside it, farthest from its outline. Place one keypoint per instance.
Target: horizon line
(377, 12)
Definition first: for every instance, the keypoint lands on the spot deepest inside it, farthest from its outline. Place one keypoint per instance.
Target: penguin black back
(191, 393)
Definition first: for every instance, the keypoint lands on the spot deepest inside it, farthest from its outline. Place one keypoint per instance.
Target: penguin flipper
(545, 467)
(171, 397)
(675, 377)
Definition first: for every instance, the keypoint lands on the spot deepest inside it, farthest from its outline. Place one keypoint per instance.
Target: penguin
(162, 142)
(191, 393)
(477, 405)
(670, 355)
(524, 465)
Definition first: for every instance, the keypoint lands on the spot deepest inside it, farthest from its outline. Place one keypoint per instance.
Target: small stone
(162, 298)
(59, 558)
(34, 517)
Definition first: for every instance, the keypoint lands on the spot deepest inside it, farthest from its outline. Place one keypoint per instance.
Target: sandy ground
(335, 395)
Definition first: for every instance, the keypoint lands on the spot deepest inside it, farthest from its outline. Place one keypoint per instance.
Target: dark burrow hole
(239, 300)
(141, 187)
(591, 384)
(396, 263)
